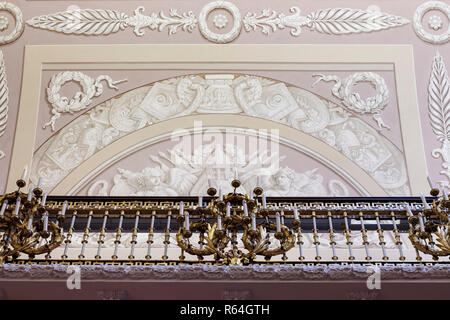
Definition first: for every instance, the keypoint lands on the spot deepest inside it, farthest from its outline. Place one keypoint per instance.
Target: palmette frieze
(242, 94)
(335, 21)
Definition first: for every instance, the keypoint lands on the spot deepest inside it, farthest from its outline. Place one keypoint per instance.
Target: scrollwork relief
(105, 21)
(439, 113)
(331, 21)
(226, 93)
(91, 88)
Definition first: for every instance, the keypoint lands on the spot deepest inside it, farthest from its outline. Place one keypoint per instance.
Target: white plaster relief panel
(439, 113)
(335, 21)
(233, 94)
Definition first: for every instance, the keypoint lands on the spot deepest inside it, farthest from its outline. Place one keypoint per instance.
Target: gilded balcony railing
(144, 230)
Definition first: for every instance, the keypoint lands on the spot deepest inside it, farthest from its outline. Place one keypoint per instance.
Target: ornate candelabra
(234, 213)
(430, 229)
(25, 225)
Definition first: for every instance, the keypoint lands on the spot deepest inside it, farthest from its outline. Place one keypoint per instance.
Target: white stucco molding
(225, 273)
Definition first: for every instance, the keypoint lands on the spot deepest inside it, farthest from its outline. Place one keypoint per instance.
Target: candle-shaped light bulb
(228, 210)
(264, 201)
(186, 221)
(430, 182)
(219, 222)
(422, 227)
(244, 204)
(24, 173)
(424, 201)
(295, 213)
(236, 175)
(200, 202)
(220, 195)
(18, 202)
(253, 222)
(40, 183)
(445, 194)
(278, 222)
(258, 184)
(181, 208)
(46, 221)
(4, 205)
(44, 199)
(408, 210)
(64, 208)
(30, 223)
(251, 195)
(210, 182)
(30, 193)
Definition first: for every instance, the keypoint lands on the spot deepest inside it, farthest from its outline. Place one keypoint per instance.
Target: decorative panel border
(214, 57)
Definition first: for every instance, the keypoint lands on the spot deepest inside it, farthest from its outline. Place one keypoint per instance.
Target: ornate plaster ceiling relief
(177, 173)
(352, 100)
(435, 22)
(220, 37)
(230, 94)
(19, 26)
(439, 113)
(3, 99)
(331, 21)
(104, 22)
(91, 88)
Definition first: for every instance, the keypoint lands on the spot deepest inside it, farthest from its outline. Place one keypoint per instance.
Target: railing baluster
(380, 236)
(398, 241)
(86, 235)
(101, 236)
(118, 235)
(134, 235)
(315, 236)
(150, 236)
(167, 236)
(364, 236)
(68, 240)
(348, 236)
(331, 231)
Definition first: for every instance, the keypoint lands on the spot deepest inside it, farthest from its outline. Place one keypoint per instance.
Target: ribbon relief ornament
(352, 100)
(439, 113)
(3, 100)
(91, 88)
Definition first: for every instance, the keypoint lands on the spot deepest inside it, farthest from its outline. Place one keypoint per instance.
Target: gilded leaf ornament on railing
(439, 113)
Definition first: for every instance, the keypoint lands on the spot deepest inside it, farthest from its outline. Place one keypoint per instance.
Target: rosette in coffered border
(334, 21)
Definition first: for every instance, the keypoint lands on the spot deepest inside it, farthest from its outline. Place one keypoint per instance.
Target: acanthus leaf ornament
(331, 21)
(4, 98)
(352, 100)
(439, 113)
(91, 88)
(104, 22)
(436, 24)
